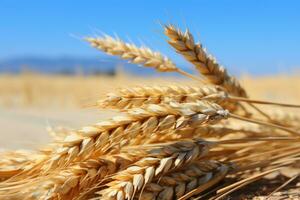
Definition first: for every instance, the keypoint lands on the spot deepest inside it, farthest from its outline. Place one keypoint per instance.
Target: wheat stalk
(204, 63)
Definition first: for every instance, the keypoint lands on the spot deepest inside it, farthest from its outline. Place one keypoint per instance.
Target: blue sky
(255, 36)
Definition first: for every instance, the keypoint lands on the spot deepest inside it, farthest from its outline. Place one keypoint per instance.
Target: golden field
(30, 103)
(35, 90)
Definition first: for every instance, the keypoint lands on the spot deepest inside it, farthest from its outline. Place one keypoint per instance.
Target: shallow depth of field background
(50, 78)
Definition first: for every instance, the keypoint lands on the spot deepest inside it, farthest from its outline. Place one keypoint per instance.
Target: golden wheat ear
(111, 135)
(207, 65)
(159, 160)
(133, 97)
(137, 55)
(186, 182)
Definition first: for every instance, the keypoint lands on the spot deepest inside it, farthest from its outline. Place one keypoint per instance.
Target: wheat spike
(158, 162)
(204, 63)
(102, 137)
(127, 98)
(64, 184)
(139, 96)
(208, 131)
(70, 182)
(138, 55)
(15, 162)
(81, 177)
(142, 55)
(199, 176)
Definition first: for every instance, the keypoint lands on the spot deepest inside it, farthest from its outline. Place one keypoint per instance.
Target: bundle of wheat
(169, 142)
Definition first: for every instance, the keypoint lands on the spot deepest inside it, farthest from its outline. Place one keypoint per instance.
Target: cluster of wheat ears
(168, 142)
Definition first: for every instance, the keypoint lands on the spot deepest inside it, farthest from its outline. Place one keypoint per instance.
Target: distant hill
(70, 65)
(66, 65)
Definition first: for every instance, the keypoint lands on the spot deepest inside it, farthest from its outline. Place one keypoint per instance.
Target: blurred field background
(31, 103)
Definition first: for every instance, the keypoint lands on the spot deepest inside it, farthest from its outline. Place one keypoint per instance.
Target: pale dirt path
(26, 127)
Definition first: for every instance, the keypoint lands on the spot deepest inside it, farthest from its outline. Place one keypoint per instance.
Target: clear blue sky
(254, 36)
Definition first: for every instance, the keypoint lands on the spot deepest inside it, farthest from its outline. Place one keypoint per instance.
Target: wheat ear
(15, 162)
(71, 181)
(138, 96)
(64, 184)
(204, 63)
(158, 161)
(81, 177)
(104, 136)
(137, 55)
(174, 185)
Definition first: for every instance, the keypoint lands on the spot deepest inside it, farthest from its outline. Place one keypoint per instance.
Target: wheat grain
(70, 182)
(138, 55)
(139, 96)
(104, 136)
(159, 161)
(208, 131)
(75, 180)
(142, 55)
(15, 162)
(177, 184)
(204, 63)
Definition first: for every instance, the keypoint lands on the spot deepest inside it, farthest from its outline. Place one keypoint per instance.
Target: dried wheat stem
(258, 154)
(233, 187)
(204, 63)
(136, 55)
(286, 118)
(294, 132)
(270, 165)
(161, 160)
(283, 185)
(233, 98)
